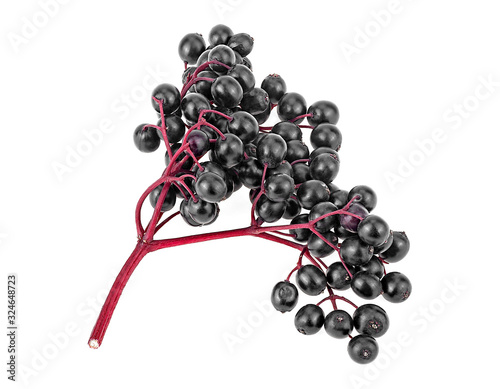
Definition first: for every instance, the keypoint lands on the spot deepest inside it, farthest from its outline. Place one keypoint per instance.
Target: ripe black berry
(191, 47)
(366, 285)
(396, 287)
(338, 324)
(338, 277)
(311, 280)
(146, 139)
(363, 349)
(309, 319)
(370, 319)
(284, 296)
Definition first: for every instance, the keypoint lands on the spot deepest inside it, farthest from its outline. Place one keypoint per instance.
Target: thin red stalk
(307, 115)
(194, 127)
(178, 186)
(204, 111)
(140, 229)
(193, 81)
(300, 161)
(148, 235)
(163, 128)
(205, 65)
(108, 308)
(166, 221)
(305, 126)
(143, 248)
(215, 129)
(293, 271)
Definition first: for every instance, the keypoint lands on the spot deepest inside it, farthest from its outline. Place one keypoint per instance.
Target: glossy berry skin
(223, 54)
(271, 150)
(201, 211)
(250, 172)
(245, 61)
(396, 287)
(190, 48)
(229, 151)
(296, 149)
(301, 234)
(210, 187)
(268, 210)
(351, 223)
(279, 187)
(205, 87)
(288, 131)
(368, 197)
(309, 319)
(311, 193)
(326, 135)
(209, 166)
(186, 216)
(203, 58)
(146, 139)
(290, 106)
(255, 101)
(338, 324)
(366, 285)
(275, 87)
(318, 247)
(169, 201)
(244, 76)
(264, 115)
(370, 319)
(311, 280)
(170, 97)
(219, 35)
(292, 209)
(241, 43)
(398, 249)
(373, 266)
(244, 126)
(324, 150)
(384, 246)
(226, 91)
(338, 277)
(373, 230)
(175, 128)
(342, 233)
(355, 252)
(283, 168)
(284, 296)
(323, 112)
(325, 167)
(300, 173)
(198, 142)
(339, 198)
(192, 104)
(321, 209)
(363, 349)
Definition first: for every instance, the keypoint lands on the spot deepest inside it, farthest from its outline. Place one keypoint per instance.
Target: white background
(67, 237)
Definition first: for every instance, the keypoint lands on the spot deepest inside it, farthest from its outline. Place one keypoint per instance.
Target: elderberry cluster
(216, 144)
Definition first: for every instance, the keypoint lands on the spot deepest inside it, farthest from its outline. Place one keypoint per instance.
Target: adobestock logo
(453, 119)
(224, 6)
(121, 108)
(31, 26)
(246, 326)
(363, 36)
(418, 323)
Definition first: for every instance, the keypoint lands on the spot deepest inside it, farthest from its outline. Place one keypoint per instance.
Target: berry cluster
(216, 143)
